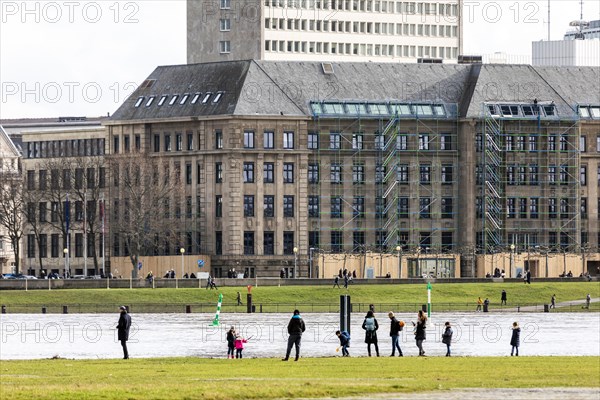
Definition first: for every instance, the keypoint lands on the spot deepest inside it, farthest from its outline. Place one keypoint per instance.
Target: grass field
(445, 297)
(192, 378)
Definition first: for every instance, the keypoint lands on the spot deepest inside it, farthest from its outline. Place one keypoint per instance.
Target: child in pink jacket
(239, 346)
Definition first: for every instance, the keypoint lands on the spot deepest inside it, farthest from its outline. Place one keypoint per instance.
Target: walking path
(540, 307)
(493, 394)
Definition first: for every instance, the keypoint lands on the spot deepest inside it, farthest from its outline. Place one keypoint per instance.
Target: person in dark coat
(447, 338)
(503, 297)
(344, 342)
(123, 330)
(515, 339)
(395, 329)
(370, 326)
(231, 342)
(295, 328)
(420, 331)
(336, 282)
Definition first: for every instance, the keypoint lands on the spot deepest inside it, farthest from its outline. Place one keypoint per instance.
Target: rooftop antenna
(580, 24)
(549, 20)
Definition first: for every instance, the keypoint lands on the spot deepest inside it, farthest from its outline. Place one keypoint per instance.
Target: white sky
(82, 58)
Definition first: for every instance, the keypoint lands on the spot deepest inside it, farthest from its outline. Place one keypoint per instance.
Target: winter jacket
(230, 339)
(394, 327)
(123, 326)
(516, 335)
(344, 339)
(296, 325)
(239, 343)
(420, 330)
(447, 336)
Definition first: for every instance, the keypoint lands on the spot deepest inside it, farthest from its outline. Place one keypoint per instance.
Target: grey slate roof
(271, 88)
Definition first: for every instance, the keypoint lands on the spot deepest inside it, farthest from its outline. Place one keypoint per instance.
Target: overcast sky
(82, 58)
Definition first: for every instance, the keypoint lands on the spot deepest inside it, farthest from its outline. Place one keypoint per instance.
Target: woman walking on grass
(370, 326)
(420, 331)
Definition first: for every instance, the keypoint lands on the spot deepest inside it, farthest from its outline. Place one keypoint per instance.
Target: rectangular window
(54, 245)
(357, 141)
(358, 207)
(288, 206)
(336, 207)
(313, 239)
(30, 246)
(337, 242)
(288, 140)
(335, 141)
(522, 208)
(582, 143)
(552, 208)
(248, 206)
(336, 173)
(534, 208)
(167, 142)
(533, 175)
(248, 139)
(224, 46)
(78, 245)
(218, 172)
(288, 172)
(268, 172)
(425, 207)
(423, 141)
(447, 207)
(269, 206)
(225, 24)
(219, 206)
(156, 143)
(248, 243)
(583, 175)
(43, 245)
(563, 143)
(313, 173)
(564, 208)
(402, 173)
(178, 142)
(219, 139)
(358, 174)
(552, 143)
(248, 172)
(269, 243)
(447, 174)
(43, 179)
(583, 208)
(313, 140)
(288, 242)
(403, 209)
(358, 241)
(425, 174)
(402, 142)
(42, 211)
(268, 139)
(511, 207)
(379, 173)
(313, 206)
(190, 141)
(188, 174)
(446, 141)
(532, 143)
(552, 175)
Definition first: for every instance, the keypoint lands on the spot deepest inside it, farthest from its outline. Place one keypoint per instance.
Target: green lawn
(193, 378)
(406, 297)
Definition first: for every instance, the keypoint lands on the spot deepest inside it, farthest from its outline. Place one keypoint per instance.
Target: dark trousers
(238, 353)
(293, 340)
(447, 350)
(376, 348)
(230, 350)
(345, 352)
(420, 346)
(125, 352)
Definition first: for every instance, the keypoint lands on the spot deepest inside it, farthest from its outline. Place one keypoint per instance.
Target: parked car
(78, 277)
(26, 277)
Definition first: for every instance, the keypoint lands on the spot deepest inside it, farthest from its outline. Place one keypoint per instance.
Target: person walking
(479, 304)
(588, 300)
(345, 281)
(344, 342)
(239, 299)
(420, 331)
(553, 301)
(371, 326)
(395, 328)
(447, 338)
(486, 304)
(208, 280)
(515, 339)
(503, 297)
(239, 345)
(230, 342)
(123, 330)
(295, 328)
(336, 282)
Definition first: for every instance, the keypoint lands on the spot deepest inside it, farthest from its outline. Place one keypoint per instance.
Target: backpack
(347, 336)
(400, 325)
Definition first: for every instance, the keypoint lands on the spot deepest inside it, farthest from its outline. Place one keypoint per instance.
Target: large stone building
(324, 30)
(439, 165)
(9, 166)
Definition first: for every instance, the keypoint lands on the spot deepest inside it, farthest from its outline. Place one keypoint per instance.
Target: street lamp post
(182, 251)
(512, 251)
(398, 249)
(295, 261)
(310, 262)
(67, 271)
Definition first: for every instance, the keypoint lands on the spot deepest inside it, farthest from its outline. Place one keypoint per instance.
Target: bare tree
(146, 194)
(12, 217)
(81, 180)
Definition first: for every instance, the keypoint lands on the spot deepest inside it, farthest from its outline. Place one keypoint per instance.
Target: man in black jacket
(123, 330)
(295, 328)
(395, 329)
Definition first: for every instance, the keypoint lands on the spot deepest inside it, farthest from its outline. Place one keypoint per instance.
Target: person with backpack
(344, 342)
(370, 326)
(447, 338)
(395, 328)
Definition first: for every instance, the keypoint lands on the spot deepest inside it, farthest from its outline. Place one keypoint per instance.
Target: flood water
(91, 336)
